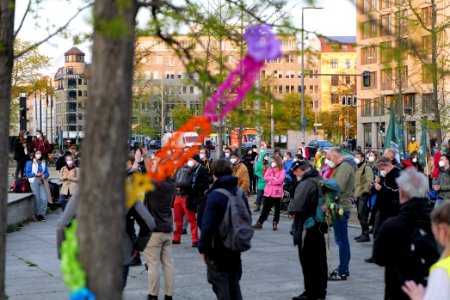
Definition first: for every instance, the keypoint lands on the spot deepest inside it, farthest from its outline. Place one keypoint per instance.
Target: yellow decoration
(136, 187)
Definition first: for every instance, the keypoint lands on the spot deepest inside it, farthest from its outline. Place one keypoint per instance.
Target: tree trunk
(434, 72)
(6, 64)
(101, 209)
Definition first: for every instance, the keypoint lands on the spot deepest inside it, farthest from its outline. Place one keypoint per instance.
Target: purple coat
(274, 178)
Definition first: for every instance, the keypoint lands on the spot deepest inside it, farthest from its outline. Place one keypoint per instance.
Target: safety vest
(442, 263)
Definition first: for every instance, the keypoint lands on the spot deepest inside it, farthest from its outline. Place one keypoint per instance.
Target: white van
(189, 138)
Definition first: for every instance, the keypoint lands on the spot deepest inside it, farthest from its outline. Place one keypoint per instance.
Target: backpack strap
(228, 194)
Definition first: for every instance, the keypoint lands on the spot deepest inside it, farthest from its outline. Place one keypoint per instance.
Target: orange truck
(248, 137)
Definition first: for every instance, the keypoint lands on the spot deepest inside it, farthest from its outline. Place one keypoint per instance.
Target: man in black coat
(199, 185)
(393, 245)
(311, 247)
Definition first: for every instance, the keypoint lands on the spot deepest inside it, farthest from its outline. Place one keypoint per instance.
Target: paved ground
(271, 268)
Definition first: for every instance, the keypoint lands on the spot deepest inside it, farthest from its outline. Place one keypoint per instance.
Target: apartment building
(71, 93)
(394, 39)
(165, 73)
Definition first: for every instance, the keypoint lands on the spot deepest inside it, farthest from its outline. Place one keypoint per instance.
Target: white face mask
(413, 139)
(371, 158)
(285, 158)
(266, 158)
(249, 152)
(383, 173)
(69, 162)
(233, 160)
(38, 136)
(441, 164)
(274, 164)
(202, 156)
(255, 150)
(330, 163)
(38, 156)
(357, 161)
(227, 154)
(414, 160)
(190, 163)
(25, 136)
(295, 159)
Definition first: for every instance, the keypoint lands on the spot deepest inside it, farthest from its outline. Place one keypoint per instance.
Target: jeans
(63, 199)
(259, 197)
(20, 168)
(225, 283)
(313, 258)
(252, 178)
(363, 213)
(180, 210)
(267, 206)
(438, 203)
(340, 229)
(159, 251)
(40, 197)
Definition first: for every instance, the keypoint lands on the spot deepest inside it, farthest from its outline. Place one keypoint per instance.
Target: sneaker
(176, 242)
(43, 219)
(302, 296)
(335, 276)
(151, 297)
(195, 245)
(257, 225)
(357, 237)
(363, 239)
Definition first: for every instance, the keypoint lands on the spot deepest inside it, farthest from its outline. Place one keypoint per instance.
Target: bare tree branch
(23, 19)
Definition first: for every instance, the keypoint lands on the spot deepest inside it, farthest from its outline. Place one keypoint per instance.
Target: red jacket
(42, 145)
(305, 152)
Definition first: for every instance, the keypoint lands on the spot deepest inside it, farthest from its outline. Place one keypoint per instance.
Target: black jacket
(304, 203)
(159, 203)
(19, 152)
(210, 241)
(199, 186)
(388, 198)
(393, 242)
(249, 160)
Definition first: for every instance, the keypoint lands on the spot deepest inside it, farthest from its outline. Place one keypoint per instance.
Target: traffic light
(355, 101)
(366, 78)
(344, 101)
(349, 100)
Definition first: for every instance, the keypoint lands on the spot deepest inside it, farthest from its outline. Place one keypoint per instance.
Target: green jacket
(344, 174)
(363, 180)
(259, 171)
(444, 182)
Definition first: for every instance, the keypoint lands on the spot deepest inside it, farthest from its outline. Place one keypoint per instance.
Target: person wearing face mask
(260, 170)
(413, 146)
(21, 153)
(288, 164)
(37, 171)
(392, 154)
(386, 187)
(240, 171)
(248, 159)
(325, 170)
(41, 144)
(414, 159)
(226, 153)
(442, 183)
(69, 177)
(273, 192)
(364, 179)
(310, 241)
(206, 163)
(199, 185)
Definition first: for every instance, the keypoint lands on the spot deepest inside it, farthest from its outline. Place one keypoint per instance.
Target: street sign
(317, 124)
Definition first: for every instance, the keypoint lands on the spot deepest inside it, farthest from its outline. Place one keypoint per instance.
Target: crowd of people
(402, 206)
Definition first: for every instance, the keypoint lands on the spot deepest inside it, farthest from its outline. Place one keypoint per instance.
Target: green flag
(391, 140)
(400, 138)
(423, 145)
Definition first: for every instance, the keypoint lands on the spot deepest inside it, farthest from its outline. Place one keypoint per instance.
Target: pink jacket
(274, 182)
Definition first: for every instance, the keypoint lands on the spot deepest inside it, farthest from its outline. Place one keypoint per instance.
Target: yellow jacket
(413, 146)
(241, 172)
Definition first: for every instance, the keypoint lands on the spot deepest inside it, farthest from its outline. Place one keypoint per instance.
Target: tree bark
(101, 209)
(6, 64)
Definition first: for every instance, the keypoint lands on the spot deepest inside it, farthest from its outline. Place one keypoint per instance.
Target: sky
(337, 18)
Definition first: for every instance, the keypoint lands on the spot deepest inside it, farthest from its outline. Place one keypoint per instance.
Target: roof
(74, 50)
(338, 43)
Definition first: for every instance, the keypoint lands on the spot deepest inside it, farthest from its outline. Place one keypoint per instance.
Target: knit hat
(196, 157)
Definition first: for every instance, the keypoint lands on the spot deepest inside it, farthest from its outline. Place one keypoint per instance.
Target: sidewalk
(271, 269)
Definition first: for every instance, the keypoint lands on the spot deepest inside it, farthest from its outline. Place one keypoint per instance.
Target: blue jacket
(287, 168)
(29, 170)
(210, 241)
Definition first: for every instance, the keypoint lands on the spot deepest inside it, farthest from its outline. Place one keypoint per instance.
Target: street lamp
(302, 118)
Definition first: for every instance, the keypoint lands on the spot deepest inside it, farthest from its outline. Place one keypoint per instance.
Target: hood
(311, 173)
(225, 182)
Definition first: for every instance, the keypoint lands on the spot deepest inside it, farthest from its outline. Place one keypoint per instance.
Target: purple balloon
(262, 43)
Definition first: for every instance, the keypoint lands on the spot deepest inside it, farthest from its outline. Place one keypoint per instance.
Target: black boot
(151, 297)
(364, 238)
(167, 297)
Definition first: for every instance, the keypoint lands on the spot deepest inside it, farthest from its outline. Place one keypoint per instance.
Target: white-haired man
(393, 244)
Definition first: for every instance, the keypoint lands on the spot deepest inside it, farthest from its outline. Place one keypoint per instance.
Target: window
(404, 48)
(347, 63)
(316, 104)
(334, 63)
(80, 82)
(70, 70)
(348, 80)
(386, 3)
(159, 60)
(72, 119)
(386, 79)
(334, 80)
(280, 75)
(373, 82)
(385, 51)
(80, 93)
(368, 55)
(80, 117)
(409, 103)
(180, 75)
(427, 103)
(316, 89)
(85, 81)
(366, 107)
(427, 15)
(426, 45)
(71, 107)
(402, 76)
(71, 83)
(370, 29)
(280, 89)
(171, 60)
(402, 21)
(299, 88)
(311, 89)
(386, 25)
(72, 95)
(427, 76)
(369, 5)
(334, 98)
(191, 90)
(368, 135)
(287, 89)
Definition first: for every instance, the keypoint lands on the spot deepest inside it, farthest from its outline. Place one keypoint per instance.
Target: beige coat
(241, 172)
(69, 179)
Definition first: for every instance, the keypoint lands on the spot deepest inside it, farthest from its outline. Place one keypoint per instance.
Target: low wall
(20, 207)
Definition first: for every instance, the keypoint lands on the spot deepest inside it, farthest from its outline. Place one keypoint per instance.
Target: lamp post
(302, 118)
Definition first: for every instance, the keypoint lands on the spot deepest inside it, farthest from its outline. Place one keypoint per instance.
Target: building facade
(71, 93)
(395, 42)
